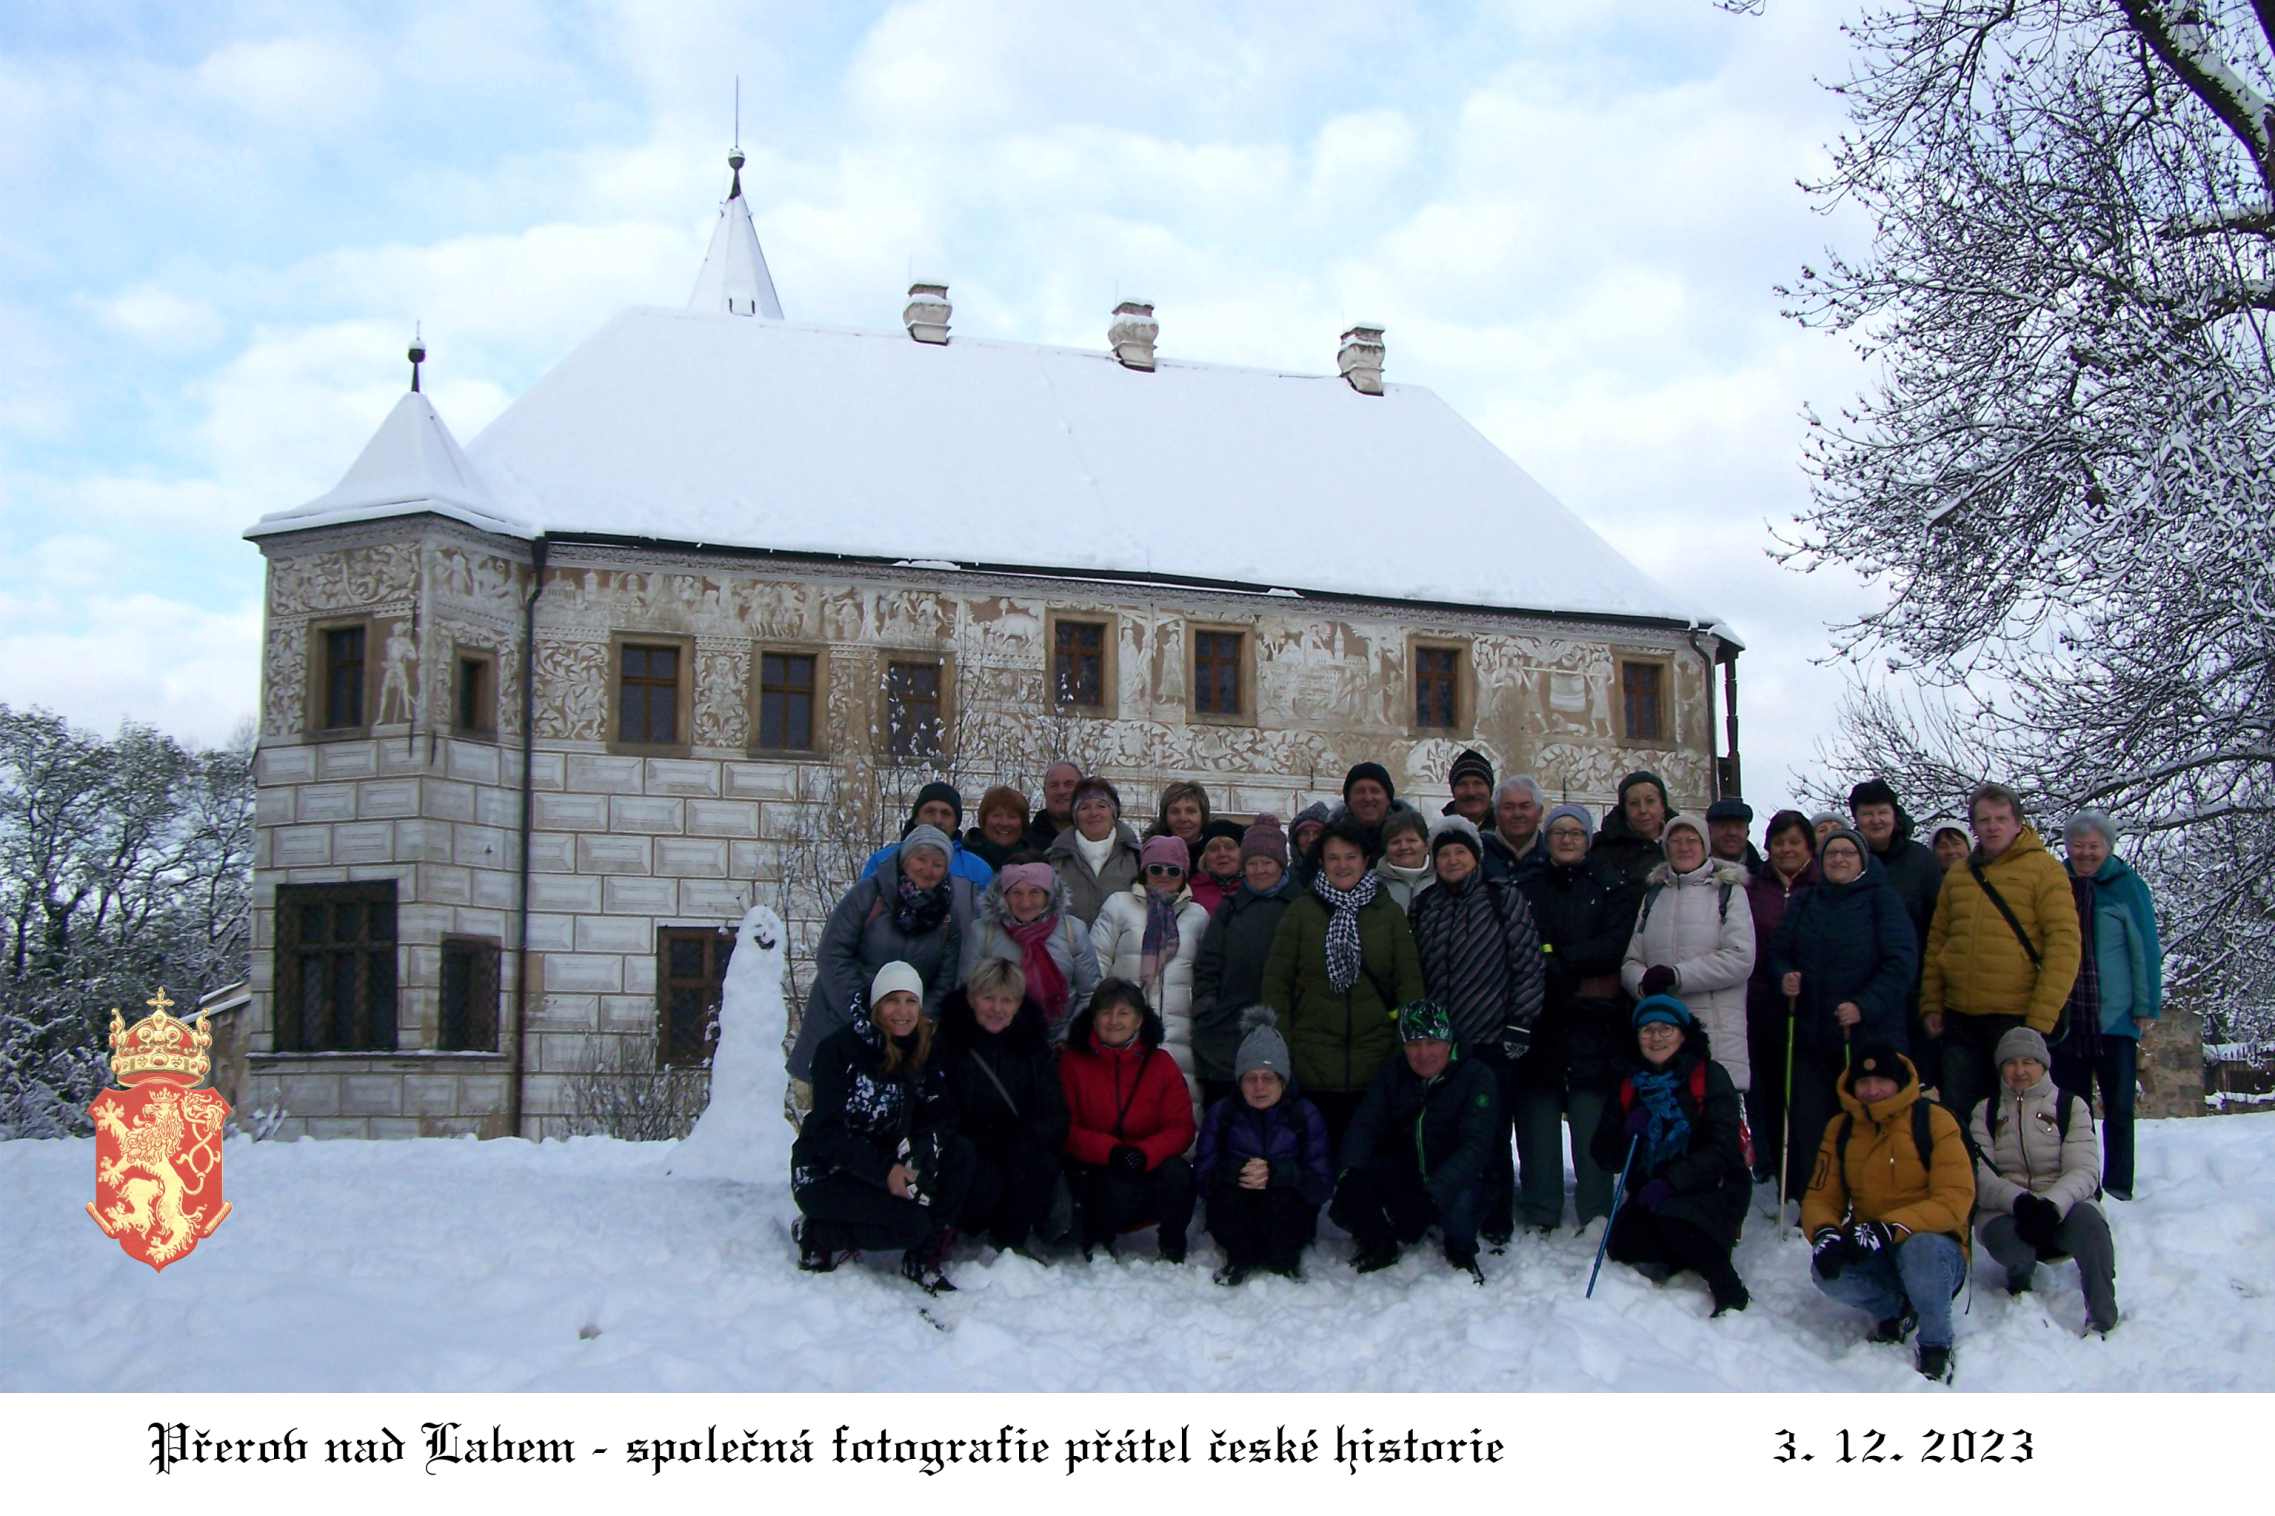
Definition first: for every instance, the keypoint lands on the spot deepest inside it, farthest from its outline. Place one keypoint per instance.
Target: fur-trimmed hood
(1712, 871)
(994, 911)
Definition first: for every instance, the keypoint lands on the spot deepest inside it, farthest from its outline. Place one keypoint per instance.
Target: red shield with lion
(158, 1139)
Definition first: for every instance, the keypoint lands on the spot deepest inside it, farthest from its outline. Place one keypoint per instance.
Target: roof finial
(735, 158)
(418, 355)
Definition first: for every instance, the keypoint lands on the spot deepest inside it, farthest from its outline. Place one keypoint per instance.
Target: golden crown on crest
(159, 1048)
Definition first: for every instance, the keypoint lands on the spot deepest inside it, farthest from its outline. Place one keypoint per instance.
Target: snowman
(742, 1133)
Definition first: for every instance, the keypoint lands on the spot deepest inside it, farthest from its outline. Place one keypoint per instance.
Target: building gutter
(537, 552)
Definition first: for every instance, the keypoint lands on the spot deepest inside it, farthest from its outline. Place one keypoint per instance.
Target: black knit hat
(1645, 776)
(1870, 792)
(1470, 765)
(1876, 1058)
(1221, 828)
(1730, 808)
(937, 790)
(1374, 771)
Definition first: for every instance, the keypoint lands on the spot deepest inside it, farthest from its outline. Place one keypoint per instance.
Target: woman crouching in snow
(1005, 1082)
(1688, 1181)
(1130, 1119)
(878, 1163)
(1263, 1160)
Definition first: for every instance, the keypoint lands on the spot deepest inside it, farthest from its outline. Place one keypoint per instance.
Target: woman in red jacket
(1130, 1120)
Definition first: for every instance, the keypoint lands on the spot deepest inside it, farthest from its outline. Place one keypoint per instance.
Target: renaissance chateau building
(682, 629)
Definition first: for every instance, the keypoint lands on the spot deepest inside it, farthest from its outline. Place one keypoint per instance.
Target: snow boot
(1656, 1271)
(1173, 1248)
(1234, 1273)
(2018, 1284)
(1465, 1259)
(1896, 1328)
(926, 1266)
(816, 1255)
(1729, 1291)
(1937, 1363)
(1372, 1258)
(1496, 1241)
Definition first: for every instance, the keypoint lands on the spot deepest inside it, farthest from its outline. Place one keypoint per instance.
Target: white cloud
(295, 82)
(188, 669)
(159, 318)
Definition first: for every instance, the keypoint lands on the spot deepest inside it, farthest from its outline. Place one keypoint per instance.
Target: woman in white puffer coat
(1695, 924)
(1161, 907)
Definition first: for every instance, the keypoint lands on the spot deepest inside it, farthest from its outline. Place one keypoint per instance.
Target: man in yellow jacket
(1887, 1221)
(2002, 948)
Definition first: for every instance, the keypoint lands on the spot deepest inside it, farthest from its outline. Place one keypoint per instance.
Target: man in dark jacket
(1471, 781)
(1726, 823)
(1228, 976)
(1916, 875)
(1514, 847)
(1416, 1150)
(1056, 813)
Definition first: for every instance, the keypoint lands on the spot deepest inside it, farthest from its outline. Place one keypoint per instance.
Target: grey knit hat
(1263, 1047)
(2021, 1042)
(926, 835)
(1577, 813)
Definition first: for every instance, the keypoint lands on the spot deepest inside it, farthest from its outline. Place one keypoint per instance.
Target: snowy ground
(461, 1265)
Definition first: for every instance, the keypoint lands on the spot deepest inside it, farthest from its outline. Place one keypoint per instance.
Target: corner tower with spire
(734, 277)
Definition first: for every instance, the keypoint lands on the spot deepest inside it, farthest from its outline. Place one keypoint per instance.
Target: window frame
(486, 985)
(944, 667)
(714, 983)
(683, 717)
(1464, 684)
(1245, 715)
(1109, 663)
(319, 676)
(383, 1030)
(760, 652)
(487, 660)
(1664, 663)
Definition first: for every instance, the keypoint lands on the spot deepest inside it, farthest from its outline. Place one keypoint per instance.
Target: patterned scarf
(1045, 981)
(1160, 944)
(1343, 926)
(916, 912)
(1669, 1137)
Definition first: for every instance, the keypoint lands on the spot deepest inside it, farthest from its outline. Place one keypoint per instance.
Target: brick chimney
(1132, 333)
(926, 314)
(1360, 359)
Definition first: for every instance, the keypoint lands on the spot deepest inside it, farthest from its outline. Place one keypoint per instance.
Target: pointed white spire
(734, 277)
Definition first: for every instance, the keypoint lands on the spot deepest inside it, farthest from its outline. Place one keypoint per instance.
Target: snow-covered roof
(411, 463)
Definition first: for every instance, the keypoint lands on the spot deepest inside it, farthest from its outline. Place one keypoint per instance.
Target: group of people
(1051, 1028)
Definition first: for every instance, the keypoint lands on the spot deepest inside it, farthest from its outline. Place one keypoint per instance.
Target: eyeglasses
(1164, 870)
(1569, 833)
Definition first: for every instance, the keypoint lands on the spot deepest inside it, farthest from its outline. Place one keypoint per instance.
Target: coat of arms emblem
(158, 1139)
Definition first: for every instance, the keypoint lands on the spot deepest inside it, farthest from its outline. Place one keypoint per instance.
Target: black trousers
(1499, 1202)
(1112, 1202)
(1387, 1200)
(1010, 1193)
(1269, 1227)
(1970, 1067)
(1816, 1101)
(1336, 1108)
(1766, 1031)
(1640, 1236)
(1214, 1090)
(853, 1213)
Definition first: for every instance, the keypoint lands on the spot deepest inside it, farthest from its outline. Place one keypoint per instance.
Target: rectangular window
(1216, 673)
(343, 676)
(786, 702)
(691, 978)
(1078, 664)
(912, 709)
(1642, 700)
(476, 699)
(647, 695)
(335, 967)
(1437, 685)
(469, 996)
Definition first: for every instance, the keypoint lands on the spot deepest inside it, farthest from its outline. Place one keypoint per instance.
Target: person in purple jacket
(1263, 1160)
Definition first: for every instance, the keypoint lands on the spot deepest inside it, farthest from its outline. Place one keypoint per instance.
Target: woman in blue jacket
(1844, 957)
(2129, 964)
(1263, 1161)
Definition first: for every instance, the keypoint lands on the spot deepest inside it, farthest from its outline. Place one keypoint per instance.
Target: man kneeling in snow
(1887, 1206)
(1263, 1159)
(1417, 1148)
(2036, 1168)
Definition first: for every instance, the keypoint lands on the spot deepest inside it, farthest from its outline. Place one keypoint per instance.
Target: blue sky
(224, 221)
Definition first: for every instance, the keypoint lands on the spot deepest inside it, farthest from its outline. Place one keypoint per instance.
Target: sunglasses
(1164, 870)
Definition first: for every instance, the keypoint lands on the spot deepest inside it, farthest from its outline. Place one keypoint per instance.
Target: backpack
(1721, 904)
(1923, 1138)
(1698, 1094)
(2062, 1099)
(2061, 1031)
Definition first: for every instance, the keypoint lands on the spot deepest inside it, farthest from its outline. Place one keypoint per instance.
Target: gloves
(1638, 1124)
(2036, 1219)
(1871, 1237)
(1655, 1194)
(907, 1156)
(1658, 979)
(1515, 1041)
(1127, 1160)
(1831, 1251)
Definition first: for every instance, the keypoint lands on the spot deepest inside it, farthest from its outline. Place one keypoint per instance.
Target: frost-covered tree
(124, 864)
(2063, 478)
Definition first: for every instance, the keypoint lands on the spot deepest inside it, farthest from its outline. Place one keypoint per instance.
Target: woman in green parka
(2128, 964)
(1342, 962)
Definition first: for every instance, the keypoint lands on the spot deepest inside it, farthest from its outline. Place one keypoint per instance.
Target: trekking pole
(1785, 1113)
(1618, 1188)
